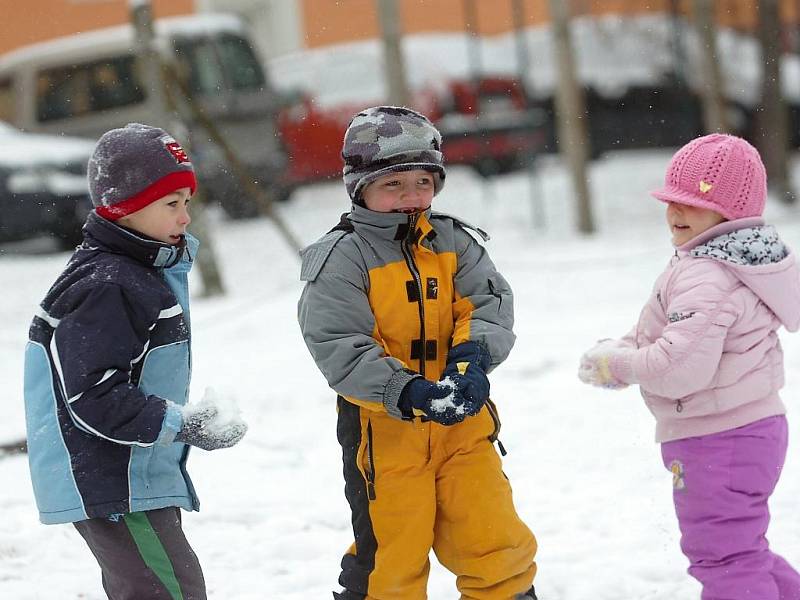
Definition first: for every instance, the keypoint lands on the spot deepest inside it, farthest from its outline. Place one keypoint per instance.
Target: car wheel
(239, 206)
(282, 193)
(68, 239)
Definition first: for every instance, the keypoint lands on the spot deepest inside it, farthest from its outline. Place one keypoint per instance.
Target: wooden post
(676, 42)
(714, 115)
(573, 142)
(167, 116)
(523, 67)
(772, 120)
(242, 173)
(391, 33)
(13, 448)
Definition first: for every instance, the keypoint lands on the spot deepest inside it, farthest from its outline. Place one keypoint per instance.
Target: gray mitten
(207, 427)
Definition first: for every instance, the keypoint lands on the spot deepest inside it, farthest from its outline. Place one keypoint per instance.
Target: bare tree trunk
(12, 448)
(142, 20)
(263, 200)
(206, 258)
(677, 42)
(524, 67)
(573, 142)
(520, 41)
(714, 115)
(389, 18)
(474, 62)
(772, 120)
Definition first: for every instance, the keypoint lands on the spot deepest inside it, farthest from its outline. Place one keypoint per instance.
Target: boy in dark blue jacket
(107, 372)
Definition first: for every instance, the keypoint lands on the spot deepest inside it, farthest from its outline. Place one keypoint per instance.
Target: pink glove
(595, 365)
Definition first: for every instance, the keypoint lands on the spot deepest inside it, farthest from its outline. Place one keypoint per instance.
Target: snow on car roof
(189, 25)
(18, 148)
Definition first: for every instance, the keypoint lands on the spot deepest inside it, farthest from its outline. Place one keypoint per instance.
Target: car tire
(241, 206)
(69, 238)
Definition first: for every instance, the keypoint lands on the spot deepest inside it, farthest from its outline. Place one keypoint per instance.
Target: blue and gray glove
(466, 367)
(440, 402)
(208, 427)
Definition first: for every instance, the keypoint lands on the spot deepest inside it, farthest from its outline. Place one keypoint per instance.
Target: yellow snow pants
(417, 485)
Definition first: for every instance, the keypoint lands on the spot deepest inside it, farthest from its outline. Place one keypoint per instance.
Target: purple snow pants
(721, 484)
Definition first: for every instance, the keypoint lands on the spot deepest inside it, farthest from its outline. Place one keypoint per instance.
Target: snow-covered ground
(586, 473)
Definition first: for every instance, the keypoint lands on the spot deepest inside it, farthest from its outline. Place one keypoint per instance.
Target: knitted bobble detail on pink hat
(720, 172)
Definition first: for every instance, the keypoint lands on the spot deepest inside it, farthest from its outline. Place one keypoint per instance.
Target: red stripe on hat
(157, 190)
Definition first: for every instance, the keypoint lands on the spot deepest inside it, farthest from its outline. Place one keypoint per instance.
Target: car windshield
(240, 63)
(214, 65)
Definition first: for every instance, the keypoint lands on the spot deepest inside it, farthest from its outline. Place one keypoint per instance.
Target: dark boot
(347, 595)
(529, 595)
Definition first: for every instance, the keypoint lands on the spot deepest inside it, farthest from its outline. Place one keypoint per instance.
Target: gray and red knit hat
(383, 139)
(134, 166)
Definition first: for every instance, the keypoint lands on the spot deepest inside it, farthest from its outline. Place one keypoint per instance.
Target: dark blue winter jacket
(106, 367)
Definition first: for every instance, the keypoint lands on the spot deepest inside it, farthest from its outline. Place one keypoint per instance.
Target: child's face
(164, 220)
(687, 222)
(403, 191)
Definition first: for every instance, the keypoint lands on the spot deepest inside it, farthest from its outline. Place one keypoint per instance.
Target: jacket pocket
(724, 319)
(700, 404)
(139, 471)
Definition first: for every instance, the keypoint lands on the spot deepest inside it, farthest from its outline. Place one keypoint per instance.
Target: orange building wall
(328, 22)
(29, 21)
(332, 22)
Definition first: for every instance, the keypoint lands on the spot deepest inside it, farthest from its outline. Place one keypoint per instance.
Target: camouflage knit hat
(384, 139)
(134, 166)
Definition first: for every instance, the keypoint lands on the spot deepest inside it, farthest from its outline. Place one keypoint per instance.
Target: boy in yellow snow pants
(404, 313)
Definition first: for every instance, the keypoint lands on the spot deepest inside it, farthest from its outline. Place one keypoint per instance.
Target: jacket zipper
(412, 267)
(370, 464)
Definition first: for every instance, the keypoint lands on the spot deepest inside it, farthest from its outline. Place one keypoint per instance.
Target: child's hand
(595, 366)
(211, 423)
(466, 367)
(441, 401)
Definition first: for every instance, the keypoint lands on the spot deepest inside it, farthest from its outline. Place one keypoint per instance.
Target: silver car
(43, 187)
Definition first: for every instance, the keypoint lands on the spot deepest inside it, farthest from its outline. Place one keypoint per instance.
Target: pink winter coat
(705, 351)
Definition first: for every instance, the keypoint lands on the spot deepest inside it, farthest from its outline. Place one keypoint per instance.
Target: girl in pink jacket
(709, 364)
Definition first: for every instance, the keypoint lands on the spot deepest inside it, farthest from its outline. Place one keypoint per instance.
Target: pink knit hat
(718, 171)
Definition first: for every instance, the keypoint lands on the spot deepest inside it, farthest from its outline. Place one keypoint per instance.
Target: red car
(486, 124)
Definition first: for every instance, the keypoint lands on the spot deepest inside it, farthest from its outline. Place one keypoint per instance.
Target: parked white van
(86, 84)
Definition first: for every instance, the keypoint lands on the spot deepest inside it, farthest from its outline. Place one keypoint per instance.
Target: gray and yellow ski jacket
(386, 296)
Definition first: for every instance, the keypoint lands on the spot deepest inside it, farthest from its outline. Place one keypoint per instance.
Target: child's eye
(172, 204)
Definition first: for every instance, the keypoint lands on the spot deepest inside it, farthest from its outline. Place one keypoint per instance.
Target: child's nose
(415, 196)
